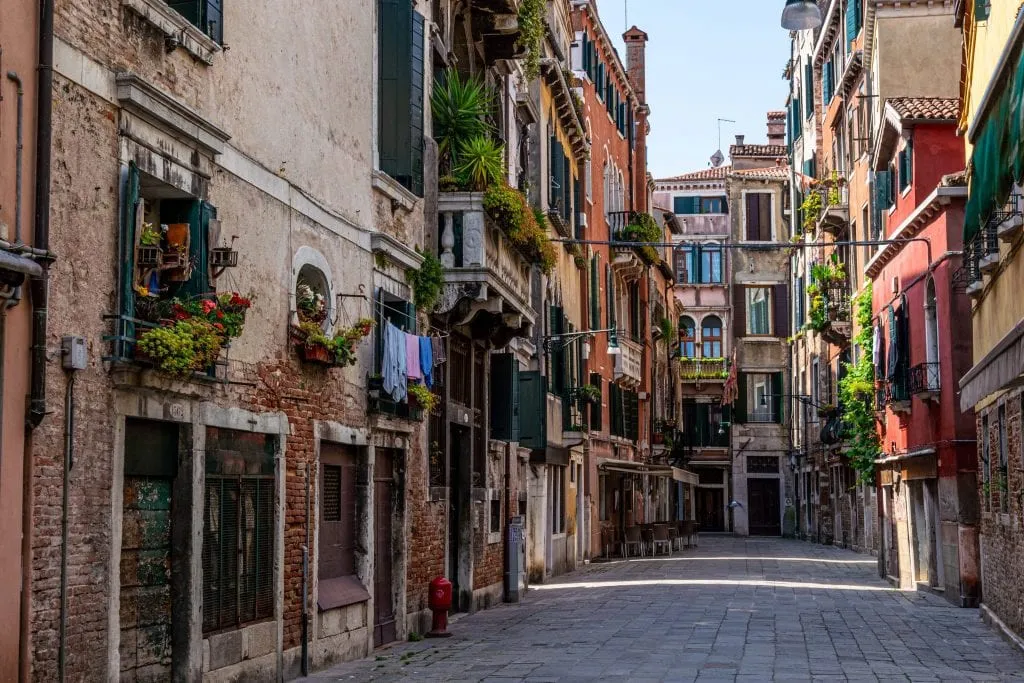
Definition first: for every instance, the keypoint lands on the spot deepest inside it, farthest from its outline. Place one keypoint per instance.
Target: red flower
(220, 314)
(208, 306)
(218, 326)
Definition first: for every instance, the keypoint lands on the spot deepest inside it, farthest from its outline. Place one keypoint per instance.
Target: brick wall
(1002, 535)
(428, 531)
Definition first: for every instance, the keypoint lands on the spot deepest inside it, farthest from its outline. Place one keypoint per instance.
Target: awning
(1001, 367)
(631, 467)
(685, 476)
(997, 161)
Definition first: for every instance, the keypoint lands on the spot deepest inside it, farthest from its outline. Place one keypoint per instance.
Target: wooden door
(383, 535)
(764, 510)
(709, 509)
(337, 510)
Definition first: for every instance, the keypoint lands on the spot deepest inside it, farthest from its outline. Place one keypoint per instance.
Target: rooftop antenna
(718, 158)
(625, 9)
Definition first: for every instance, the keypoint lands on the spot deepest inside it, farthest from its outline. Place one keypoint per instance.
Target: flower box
(316, 353)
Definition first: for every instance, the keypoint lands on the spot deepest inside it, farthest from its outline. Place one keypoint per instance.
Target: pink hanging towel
(412, 356)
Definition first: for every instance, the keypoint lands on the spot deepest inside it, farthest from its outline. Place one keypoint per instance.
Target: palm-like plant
(460, 107)
(480, 163)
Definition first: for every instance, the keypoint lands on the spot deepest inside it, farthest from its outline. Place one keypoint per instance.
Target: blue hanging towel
(393, 364)
(427, 361)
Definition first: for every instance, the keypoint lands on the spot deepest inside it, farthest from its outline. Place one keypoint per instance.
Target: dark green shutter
(416, 105)
(982, 9)
(881, 192)
(595, 292)
(533, 431)
(577, 208)
(557, 351)
(777, 397)
(596, 409)
(851, 23)
(504, 397)
(129, 204)
(609, 294)
(739, 407)
(566, 187)
(197, 214)
(808, 90)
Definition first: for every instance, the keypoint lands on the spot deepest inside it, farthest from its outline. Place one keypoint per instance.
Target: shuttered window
(532, 410)
(808, 90)
(595, 292)
(206, 15)
(758, 307)
(238, 529)
(504, 397)
(827, 83)
(596, 408)
(400, 99)
(853, 22)
(609, 293)
(759, 217)
(906, 165)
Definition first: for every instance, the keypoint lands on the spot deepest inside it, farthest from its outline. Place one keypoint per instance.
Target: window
(206, 15)
(799, 295)
(595, 292)
(699, 264)
(894, 187)
(815, 387)
(602, 493)
(686, 265)
(764, 397)
(827, 83)
(758, 310)
(400, 32)
(692, 205)
(1004, 464)
(711, 337)
(931, 324)
(636, 319)
(687, 337)
(238, 529)
(557, 499)
(905, 160)
(597, 407)
(711, 265)
(758, 216)
(809, 90)
(588, 172)
(854, 17)
(986, 466)
(495, 525)
(982, 9)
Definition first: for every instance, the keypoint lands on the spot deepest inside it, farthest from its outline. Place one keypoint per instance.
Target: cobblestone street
(733, 609)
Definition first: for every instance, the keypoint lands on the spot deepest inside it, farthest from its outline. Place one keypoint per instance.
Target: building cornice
(926, 211)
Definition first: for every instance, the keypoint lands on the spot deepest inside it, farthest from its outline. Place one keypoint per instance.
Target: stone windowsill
(172, 24)
(393, 190)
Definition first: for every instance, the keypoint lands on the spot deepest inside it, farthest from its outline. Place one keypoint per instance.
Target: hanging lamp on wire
(799, 15)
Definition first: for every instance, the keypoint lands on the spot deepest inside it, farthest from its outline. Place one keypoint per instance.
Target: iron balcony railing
(703, 369)
(924, 378)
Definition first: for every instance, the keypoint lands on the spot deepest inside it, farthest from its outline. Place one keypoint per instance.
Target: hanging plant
(423, 396)
(426, 282)
(531, 35)
(668, 330)
(811, 208)
(337, 349)
(856, 392)
(509, 210)
(643, 228)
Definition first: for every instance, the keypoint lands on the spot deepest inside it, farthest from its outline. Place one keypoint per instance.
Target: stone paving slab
(733, 609)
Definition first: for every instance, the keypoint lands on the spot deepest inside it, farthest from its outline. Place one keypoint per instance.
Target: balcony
(700, 370)
(897, 393)
(835, 202)
(924, 381)
(981, 257)
(487, 281)
(629, 228)
(629, 363)
(1010, 219)
(829, 314)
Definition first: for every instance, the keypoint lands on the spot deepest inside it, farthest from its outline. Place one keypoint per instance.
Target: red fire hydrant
(440, 602)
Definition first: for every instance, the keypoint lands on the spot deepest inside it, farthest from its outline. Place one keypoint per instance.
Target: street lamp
(562, 340)
(799, 15)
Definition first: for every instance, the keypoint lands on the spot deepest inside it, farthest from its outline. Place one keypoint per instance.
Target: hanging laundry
(412, 356)
(876, 350)
(427, 360)
(437, 346)
(393, 365)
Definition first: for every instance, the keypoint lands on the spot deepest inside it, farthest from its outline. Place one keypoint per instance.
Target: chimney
(636, 67)
(740, 139)
(776, 128)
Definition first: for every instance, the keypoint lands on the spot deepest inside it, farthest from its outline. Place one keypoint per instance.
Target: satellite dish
(717, 158)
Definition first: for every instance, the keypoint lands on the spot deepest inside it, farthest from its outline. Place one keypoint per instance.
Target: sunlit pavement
(731, 610)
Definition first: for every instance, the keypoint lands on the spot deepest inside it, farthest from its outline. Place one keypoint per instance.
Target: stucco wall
(911, 67)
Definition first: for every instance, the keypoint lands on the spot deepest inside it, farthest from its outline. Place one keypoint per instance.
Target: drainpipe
(69, 446)
(44, 140)
(13, 76)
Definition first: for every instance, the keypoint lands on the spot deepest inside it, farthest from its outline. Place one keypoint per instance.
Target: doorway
(710, 504)
(765, 511)
(458, 512)
(384, 505)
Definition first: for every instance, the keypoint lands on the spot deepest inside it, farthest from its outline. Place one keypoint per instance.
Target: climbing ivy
(531, 34)
(426, 282)
(856, 391)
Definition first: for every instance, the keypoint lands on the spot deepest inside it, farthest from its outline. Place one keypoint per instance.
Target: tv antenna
(717, 159)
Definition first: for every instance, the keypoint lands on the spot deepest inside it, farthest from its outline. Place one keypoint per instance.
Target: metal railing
(924, 378)
(693, 369)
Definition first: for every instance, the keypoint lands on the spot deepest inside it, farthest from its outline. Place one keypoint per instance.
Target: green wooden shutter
(808, 90)
(504, 397)
(982, 9)
(577, 208)
(739, 407)
(533, 392)
(395, 25)
(777, 397)
(595, 289)
(197, 214)
(416, 105)
(129, 205)
(558, 350)
(609, 293)
(852, 29)
(596, 409)
(566, 187)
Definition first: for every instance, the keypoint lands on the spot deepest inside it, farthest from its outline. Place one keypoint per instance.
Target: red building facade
(927, 469)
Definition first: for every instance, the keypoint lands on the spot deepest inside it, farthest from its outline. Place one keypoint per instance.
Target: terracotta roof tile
(713, 173)
(768, 151)
(769, 173)
(927, 108)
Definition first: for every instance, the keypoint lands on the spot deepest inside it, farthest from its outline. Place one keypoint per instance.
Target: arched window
(687, 337)
(711, 337)
(607, 187)
(931, 327)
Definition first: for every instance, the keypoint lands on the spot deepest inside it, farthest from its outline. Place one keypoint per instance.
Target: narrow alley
(736, 609)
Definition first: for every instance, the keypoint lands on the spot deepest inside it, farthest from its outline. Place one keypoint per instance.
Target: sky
(706, 59)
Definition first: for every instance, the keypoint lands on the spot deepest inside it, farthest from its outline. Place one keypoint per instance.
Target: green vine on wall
(531, 34)
(426, 282)
(856, 391)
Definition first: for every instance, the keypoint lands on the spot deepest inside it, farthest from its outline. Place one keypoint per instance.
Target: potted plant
(149, 251)
(590, 393)
(310, 304)
(337, 349)
(422, 397)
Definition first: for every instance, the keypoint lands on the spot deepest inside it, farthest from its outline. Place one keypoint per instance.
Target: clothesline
(409, 318)
(408, 358)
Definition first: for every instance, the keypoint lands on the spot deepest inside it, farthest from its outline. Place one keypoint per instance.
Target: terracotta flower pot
(315, 353)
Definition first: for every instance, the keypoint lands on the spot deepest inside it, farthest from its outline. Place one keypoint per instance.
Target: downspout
(69, 462)
(13, 76)
(39, 285)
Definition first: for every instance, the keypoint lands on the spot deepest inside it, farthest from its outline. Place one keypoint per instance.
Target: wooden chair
(632, 537)
(661, 539)
(674, 537)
